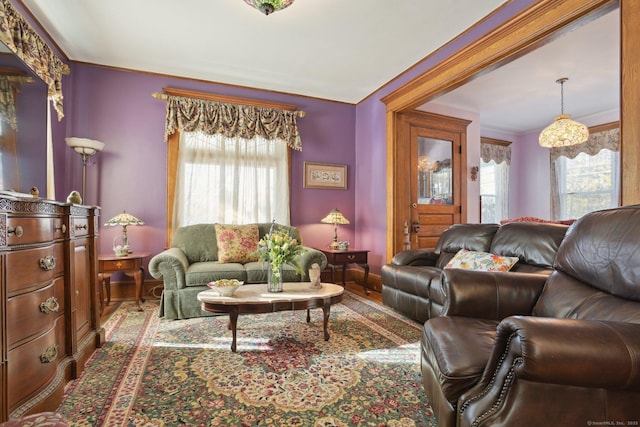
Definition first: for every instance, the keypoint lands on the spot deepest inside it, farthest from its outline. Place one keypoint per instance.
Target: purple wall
(371, 185)
(116, 107)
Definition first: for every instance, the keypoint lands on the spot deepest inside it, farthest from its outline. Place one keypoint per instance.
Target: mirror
(23, 126)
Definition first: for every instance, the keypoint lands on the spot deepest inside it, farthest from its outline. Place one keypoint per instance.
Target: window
(494, 180)
(494, 191)
(227, 159)
(231, 180)
(586, 177)
(587, 183)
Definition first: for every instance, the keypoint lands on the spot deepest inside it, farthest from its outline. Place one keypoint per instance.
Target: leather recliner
(525, 350)
(411, 282)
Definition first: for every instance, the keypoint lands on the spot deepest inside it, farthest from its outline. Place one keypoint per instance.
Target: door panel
(433, 190)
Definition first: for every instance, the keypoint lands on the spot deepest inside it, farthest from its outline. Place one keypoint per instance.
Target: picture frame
(325, 175)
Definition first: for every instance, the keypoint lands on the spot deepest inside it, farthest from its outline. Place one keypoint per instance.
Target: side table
(344, 257)
(131, 265)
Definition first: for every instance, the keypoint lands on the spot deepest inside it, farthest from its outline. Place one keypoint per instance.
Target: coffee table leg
(233, 323)
(326, 309)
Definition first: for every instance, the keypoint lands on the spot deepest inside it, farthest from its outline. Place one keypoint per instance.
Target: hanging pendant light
(269, 6)
(563, 131)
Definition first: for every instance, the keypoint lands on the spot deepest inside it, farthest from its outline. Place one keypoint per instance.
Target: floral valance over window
(230, 119)
(496, 152)
(608, 139)
(22, 40)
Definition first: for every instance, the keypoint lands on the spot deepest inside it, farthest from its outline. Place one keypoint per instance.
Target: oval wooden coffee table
(254, 299)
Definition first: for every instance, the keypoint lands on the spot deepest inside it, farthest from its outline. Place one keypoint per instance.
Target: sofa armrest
(488, 294)
(417, 257)
(580, 353)
(307, 259)
(170, 265)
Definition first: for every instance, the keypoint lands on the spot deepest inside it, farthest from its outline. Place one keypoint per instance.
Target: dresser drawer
(34, 364)
(79, 226)
(349, 258)
(33, 313)
(30, 268)
(25, 230)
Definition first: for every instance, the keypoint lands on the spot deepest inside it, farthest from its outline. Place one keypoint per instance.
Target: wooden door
(433, 190)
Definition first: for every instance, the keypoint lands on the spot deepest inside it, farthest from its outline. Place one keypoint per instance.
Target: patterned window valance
(498, 152)
(609, 139)
(230, 119)
(21, 39)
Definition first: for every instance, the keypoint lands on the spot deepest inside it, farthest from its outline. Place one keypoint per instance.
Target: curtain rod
(226, 99)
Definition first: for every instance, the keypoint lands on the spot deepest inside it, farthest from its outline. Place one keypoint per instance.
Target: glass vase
(274, 280)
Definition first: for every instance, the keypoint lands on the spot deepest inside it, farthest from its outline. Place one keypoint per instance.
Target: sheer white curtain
(231, 180)
(494, 180)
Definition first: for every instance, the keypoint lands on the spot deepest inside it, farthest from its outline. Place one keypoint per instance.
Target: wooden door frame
(533, 27)
(435, 122)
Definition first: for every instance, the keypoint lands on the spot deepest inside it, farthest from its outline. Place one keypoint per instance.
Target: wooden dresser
(49, 323)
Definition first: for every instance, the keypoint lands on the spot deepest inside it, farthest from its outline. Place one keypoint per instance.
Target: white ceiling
(340, 50)
(523, 95)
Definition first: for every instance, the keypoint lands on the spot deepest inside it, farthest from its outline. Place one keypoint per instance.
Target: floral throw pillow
(484, 261)
(237, 243)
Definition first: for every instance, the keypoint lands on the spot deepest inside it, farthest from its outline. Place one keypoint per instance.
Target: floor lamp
(86, 148)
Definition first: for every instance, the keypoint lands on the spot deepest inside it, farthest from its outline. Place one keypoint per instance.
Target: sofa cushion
(484, 261)
(458, 349)
(197, 241)
(474, 237)
(536, 244)
(201, 273)
(237, 243)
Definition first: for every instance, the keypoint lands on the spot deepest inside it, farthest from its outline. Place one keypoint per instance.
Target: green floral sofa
(202, 253)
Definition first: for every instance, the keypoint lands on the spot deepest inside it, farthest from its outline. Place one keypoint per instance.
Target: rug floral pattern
(171, 373)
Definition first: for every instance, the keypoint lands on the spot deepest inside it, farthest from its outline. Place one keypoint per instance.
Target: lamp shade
(123, 219)
(563, 132)
(84, 145)
(335, 217)
(269, 6)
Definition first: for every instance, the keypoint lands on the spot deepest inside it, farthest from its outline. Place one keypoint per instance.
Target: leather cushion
(458, 349)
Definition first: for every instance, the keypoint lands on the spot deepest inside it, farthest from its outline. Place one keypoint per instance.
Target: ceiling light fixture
(563, 131)
(269, 6)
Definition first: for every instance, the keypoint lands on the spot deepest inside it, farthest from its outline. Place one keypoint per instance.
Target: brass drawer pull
(351, 257)
(51, 305)
(50, 354)
(18, 231)
(81, 227)
(48, 263)
(62, 228)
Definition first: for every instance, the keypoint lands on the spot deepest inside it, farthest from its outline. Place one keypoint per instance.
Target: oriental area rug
(155, 372)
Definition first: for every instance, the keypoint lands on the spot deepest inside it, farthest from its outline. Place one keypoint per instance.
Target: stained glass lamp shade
(563, 131)
(269, 6)
(335, 217)
(124, 219)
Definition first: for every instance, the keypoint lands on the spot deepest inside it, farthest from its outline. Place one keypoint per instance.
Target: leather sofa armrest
(307, 259)
(581, 353)
(170, 265)
(417, 257)
(489, 295)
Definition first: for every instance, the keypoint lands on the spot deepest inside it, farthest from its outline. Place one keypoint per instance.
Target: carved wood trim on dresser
(49, 324)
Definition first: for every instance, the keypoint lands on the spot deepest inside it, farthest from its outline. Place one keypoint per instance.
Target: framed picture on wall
(325, 175)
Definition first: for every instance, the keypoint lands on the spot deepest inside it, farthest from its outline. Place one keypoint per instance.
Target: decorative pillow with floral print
(237, 243)
(484, 261)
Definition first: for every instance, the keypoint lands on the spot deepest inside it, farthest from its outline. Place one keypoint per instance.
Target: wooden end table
(131, 265)
(344, 257)
(256, 299)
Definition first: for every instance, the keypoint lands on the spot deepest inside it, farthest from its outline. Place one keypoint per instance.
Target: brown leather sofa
(411, 282)
(522, 350)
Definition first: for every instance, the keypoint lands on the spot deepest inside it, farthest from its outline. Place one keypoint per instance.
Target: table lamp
(123, 219)
(335, 217)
